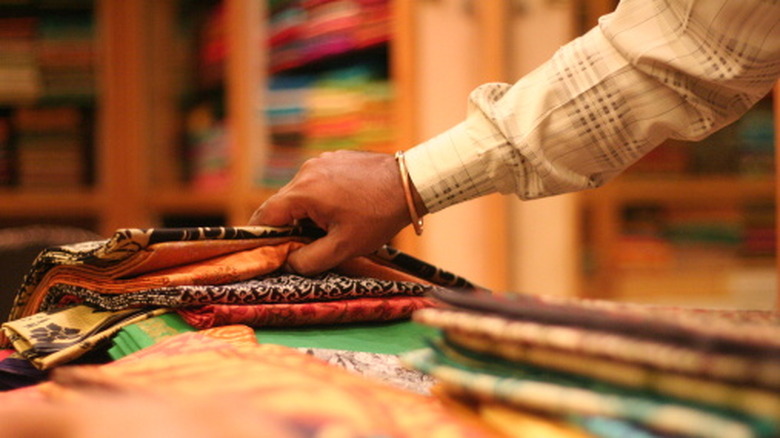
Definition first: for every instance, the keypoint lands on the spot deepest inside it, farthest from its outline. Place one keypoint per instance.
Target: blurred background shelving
(48, 107)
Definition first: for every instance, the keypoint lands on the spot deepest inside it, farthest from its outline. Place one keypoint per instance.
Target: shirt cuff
(449, 168)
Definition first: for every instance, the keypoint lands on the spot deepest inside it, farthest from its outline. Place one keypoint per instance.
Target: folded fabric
(610, 367)
(316, 313)
(385, 368)
(275, 287)
(48, 339)
(18, 372)
(604, 427)
(751, 401)
(526, 387)
(133, 252)
(747, 333)
(219, 265)
(512, 422)
(135, 337)
(226, 364)
(142, 259)
(390, 338)
(584, 343)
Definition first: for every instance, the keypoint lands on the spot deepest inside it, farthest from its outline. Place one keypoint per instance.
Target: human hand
(356, 197)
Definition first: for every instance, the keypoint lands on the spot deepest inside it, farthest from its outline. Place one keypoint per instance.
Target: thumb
(319, 255)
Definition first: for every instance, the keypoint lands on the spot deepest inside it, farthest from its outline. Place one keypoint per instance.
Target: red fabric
(290, 315)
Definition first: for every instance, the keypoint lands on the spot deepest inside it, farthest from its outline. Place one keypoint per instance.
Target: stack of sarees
(76, 297)
(604, 368)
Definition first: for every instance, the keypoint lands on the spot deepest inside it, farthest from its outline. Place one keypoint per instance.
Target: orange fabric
(166, 254)
(273, 380)
(171, 264)
(223, 269)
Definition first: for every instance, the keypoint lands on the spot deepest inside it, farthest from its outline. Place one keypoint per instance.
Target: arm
(652, 70)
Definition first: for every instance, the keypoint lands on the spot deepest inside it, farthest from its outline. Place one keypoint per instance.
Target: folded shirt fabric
(600, 364)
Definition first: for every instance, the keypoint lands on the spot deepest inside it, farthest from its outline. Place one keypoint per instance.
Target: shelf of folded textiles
(73, 202)
(376, 52)
(684, 189)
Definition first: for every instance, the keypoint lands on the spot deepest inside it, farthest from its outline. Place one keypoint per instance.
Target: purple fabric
(17, 373)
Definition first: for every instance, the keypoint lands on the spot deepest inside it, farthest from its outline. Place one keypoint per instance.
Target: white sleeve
(650, 71)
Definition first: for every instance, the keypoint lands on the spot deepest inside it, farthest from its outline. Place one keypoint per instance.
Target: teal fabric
(525, 386)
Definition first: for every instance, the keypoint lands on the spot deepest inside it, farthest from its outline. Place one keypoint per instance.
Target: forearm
(650, 71)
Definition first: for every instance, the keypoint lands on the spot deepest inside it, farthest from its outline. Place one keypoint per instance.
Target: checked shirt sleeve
(650, 71)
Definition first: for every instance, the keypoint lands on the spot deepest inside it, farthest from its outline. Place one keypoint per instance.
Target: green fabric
(385, 338)
(146, 333)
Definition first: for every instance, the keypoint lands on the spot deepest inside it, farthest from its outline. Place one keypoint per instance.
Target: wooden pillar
(122, 137)
(245, 83)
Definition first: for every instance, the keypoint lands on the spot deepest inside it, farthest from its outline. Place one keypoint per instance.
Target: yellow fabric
(48, 339)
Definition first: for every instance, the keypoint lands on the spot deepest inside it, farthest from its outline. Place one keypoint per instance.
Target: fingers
(320, 255)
